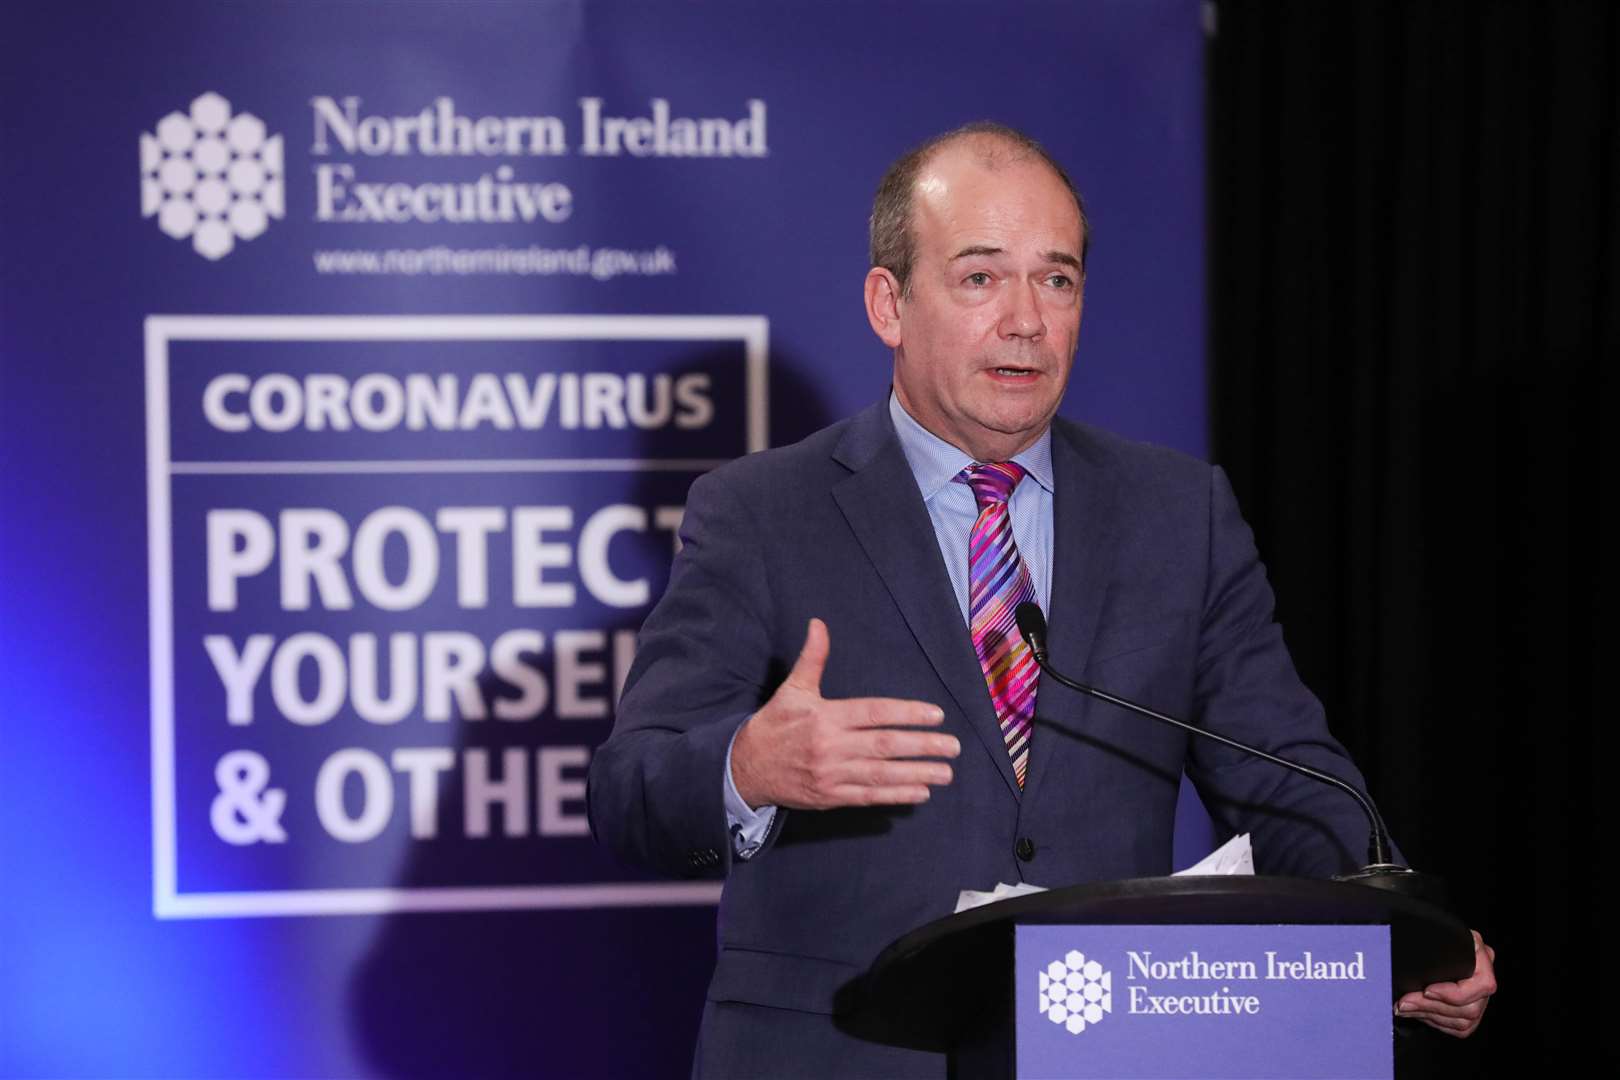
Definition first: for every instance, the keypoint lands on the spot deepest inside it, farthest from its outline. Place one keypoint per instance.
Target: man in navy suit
(819, 708)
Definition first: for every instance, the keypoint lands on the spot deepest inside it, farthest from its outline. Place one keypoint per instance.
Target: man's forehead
(987, 182)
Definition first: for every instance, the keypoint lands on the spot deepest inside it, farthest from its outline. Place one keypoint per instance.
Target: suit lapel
(1084, 520)
(885, 511)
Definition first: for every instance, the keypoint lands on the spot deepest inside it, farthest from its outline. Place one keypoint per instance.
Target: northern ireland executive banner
(357, 360)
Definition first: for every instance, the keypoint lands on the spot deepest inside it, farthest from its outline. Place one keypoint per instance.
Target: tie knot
(992, 482)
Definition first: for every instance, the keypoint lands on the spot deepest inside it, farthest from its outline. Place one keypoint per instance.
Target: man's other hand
(1455, 1007)
(807, 752)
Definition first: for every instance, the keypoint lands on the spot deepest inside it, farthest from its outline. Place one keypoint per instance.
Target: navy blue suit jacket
(1157, 595)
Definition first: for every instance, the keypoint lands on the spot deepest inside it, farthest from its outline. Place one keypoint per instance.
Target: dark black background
(1415, 215)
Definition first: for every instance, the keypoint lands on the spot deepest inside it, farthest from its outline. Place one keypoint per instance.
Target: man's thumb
(807, 669)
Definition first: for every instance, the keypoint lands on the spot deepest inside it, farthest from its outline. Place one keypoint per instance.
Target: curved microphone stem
(1032, 624)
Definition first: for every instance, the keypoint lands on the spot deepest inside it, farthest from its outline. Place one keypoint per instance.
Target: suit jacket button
(1025, 848)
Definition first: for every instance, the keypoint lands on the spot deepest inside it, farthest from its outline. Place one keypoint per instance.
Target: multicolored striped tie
(998, 582)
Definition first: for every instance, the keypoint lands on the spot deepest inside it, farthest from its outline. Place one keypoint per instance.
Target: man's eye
(979, 278)
(1061, 281)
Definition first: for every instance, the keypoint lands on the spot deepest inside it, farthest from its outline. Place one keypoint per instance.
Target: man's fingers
(891, 712)
(1430, 1007)
(888, 774)
(1459, 994)
(884, 783)
(889, 743)
(1454, 1008)
(896, 795)
(1449, 993)
(1473, 991)
(874, 773)
(812, 661)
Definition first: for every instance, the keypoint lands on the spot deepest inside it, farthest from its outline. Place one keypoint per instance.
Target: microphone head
(1032, 624)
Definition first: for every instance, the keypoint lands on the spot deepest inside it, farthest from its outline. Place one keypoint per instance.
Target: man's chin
(1003, 437)
(1016, 422)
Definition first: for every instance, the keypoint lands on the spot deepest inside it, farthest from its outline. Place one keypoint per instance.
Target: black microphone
(1379, 871)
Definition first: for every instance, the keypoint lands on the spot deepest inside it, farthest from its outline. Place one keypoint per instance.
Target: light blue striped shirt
(951, 507)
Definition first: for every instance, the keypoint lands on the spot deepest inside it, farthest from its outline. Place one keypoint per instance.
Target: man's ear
(883, 305)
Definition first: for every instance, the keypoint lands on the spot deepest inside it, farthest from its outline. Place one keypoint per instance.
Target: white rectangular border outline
(167, 901)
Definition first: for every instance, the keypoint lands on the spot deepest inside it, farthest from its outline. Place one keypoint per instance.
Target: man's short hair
(894, 240)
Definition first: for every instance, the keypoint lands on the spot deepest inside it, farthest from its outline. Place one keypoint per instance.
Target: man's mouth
(1016, 371)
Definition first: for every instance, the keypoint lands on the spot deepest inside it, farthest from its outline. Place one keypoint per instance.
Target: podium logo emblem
(212, 177)
(1076, 992)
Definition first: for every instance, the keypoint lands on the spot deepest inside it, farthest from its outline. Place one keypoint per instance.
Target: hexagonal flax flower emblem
(1076, 992)
(211, 176)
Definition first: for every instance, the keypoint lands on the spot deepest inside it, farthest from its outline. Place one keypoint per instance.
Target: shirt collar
(935, 462)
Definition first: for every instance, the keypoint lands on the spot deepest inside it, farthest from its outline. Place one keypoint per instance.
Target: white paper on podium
(1235, 856)
(969, 898)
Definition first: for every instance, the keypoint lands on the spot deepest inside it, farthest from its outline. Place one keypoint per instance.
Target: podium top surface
(1215, 900)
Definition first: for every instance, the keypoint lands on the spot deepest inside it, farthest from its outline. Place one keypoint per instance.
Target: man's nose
(1022, 316)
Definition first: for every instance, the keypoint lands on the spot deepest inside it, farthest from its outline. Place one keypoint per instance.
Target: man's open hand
(804, 751)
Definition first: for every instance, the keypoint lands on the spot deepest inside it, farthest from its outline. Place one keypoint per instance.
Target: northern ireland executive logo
(1076, 992)
(212, 177)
